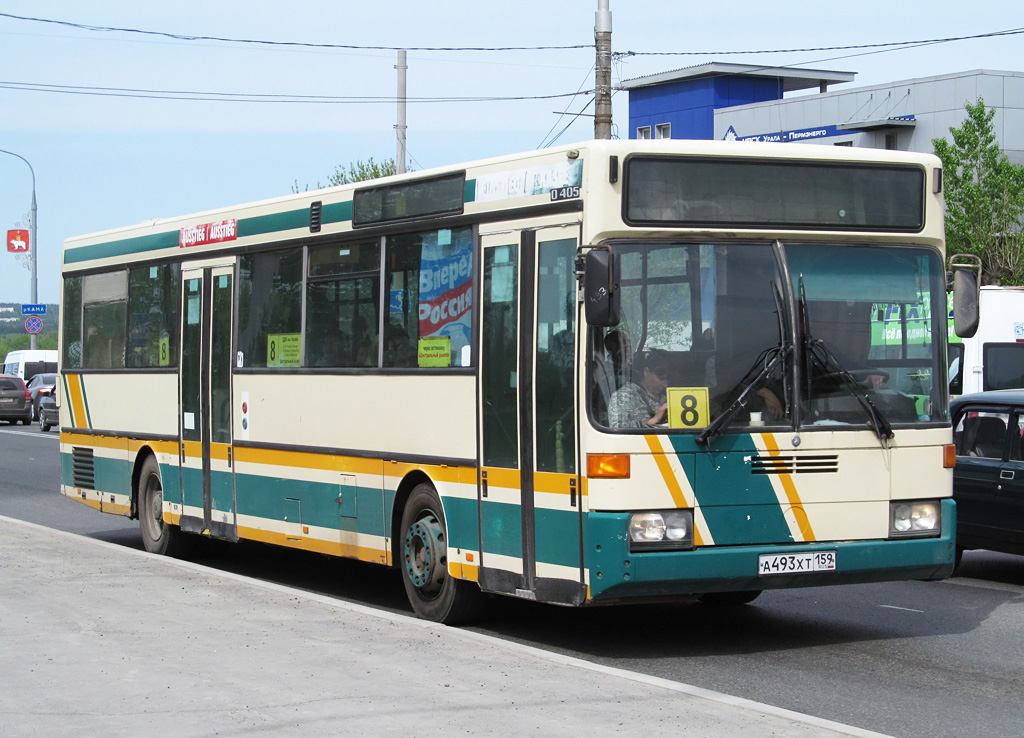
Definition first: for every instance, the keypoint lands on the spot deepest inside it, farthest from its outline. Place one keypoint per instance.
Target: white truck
(26, 363)
(994, 357)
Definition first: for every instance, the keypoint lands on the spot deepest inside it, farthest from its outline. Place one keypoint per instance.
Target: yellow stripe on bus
(77, 400)
(301, 459)
(507, 478)
(789, 486)
(553, 483)
(316, 545)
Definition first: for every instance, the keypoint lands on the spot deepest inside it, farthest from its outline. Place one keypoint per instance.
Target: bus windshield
(713, 326)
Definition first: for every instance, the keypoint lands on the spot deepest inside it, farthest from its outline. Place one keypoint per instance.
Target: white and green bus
(609, 372)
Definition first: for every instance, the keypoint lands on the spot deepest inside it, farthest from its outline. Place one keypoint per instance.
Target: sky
(117, 156)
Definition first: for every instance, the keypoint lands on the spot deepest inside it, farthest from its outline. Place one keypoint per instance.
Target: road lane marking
(36, 434)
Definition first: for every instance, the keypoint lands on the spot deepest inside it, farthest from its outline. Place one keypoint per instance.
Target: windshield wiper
(879, 424)
(718, 425)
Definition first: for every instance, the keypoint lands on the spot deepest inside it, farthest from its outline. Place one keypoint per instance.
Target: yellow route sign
(688, 407)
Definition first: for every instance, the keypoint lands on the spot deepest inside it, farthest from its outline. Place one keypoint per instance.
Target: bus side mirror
(601, 288)
(966, 294)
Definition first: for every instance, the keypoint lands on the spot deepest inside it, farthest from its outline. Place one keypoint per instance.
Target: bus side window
(428, 280)
(269, 305)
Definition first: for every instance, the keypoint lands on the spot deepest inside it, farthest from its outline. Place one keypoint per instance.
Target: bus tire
(158, 537)
(423, 558)
(729, 599)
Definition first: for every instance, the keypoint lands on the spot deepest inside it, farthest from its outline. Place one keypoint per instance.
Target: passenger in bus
(398, 349)
(641, 403)
(364, 345)
(332, 350)
(611, 369)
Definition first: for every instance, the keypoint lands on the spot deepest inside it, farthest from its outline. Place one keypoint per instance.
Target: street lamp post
(33, 243)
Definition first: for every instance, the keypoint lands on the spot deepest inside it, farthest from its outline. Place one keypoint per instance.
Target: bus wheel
(157, 536)
(433, 593)
(729, 599)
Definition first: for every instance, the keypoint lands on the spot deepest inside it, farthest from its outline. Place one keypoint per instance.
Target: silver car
(15, 401)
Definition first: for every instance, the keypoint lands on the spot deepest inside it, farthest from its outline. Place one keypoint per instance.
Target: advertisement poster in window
(446, 290)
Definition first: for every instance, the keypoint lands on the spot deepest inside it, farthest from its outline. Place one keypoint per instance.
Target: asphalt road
(910, 659)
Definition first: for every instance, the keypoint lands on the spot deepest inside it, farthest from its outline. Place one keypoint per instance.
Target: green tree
(984, 197)
(20, 342)
(358, 171)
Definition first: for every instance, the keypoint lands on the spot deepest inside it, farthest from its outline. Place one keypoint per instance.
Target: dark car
(38, 387)
(48, 413)
(988, 480)
(15, 403)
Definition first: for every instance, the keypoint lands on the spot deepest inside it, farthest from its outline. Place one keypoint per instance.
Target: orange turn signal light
(948, 456)
(608, 466)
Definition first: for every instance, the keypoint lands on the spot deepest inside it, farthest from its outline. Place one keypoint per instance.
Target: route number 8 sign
(688, 407)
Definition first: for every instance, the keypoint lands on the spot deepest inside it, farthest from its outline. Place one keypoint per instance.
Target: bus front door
(529, 491)
(205, 449)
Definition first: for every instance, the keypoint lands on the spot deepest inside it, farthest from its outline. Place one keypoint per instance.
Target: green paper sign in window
(434, 351)
(284, 349)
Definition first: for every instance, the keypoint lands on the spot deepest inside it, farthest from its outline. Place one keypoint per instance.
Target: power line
(991, 34)
(302, 44)
(544, 144)
(199, 95)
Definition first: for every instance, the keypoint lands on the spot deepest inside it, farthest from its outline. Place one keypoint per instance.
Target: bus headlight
(660, 531)
(914, 519)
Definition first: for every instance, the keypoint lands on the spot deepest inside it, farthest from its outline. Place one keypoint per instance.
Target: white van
(27, 363)
(994, 357)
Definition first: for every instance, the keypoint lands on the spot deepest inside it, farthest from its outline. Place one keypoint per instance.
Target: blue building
(749, 102)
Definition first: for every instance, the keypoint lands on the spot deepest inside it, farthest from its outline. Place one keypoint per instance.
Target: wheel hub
(425, 554)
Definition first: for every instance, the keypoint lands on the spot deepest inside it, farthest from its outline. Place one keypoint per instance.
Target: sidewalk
(100, 640)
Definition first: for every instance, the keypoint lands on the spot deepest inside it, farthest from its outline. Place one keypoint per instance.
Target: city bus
(609, 372)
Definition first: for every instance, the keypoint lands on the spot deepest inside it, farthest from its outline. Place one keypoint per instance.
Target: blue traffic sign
(33, 325)
(33, 309)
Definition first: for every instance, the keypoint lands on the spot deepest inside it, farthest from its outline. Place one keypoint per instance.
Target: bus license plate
(796, 563)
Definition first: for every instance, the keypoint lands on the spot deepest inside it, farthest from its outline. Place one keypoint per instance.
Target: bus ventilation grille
(794, 464)
(315, 216)
(83, 473)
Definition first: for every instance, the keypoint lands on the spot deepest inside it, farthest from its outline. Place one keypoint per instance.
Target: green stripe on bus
(502, 529)
(256, 226)
(469, 191)
(85, 402)
(273, 498)
(738, 506)
(111, 476)
(558, 539)
(137, 245)
(67, 406)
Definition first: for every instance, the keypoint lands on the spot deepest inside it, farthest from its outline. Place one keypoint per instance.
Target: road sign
(33, 309)
(17, 241)
(33, 325)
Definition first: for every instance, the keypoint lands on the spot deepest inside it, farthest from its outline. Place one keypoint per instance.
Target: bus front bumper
(616, 574)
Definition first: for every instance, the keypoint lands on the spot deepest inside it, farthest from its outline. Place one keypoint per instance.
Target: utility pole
(400, 127)
(603, 71)
(33, 243)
